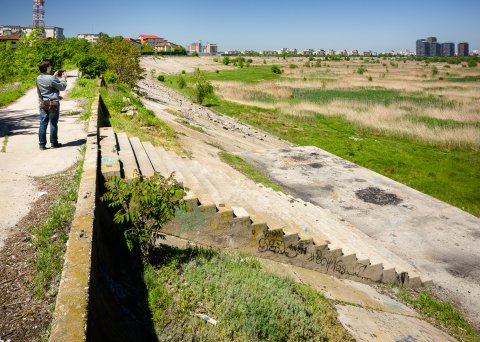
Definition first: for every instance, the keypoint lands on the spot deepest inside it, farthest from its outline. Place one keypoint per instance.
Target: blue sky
(265, 25)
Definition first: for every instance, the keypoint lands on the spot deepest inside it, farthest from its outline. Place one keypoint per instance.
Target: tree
(7, 70)
(123, 59)
(201, 87)
(146, 48)
(92, 65)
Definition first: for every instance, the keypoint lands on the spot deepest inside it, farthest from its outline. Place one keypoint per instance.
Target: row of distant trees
(113, 57)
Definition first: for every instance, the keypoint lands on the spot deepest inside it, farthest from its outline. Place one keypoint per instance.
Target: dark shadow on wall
(118, 306)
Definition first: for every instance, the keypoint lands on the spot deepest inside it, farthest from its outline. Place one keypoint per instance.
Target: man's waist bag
(49, 104)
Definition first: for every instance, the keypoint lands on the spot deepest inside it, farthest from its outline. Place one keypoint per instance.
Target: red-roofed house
(13, 38)
(166, 46)
(134, 42)
(150, 39)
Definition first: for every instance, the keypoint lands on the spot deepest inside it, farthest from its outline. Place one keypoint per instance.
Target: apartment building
(463, 49)
(91, 37)
(49, 31)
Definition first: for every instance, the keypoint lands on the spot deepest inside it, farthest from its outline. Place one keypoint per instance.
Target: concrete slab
(342, 290)
(367, 325)
(23, 160)
(437, 238)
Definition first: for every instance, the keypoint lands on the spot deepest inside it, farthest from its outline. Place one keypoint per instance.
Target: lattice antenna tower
(38, 13)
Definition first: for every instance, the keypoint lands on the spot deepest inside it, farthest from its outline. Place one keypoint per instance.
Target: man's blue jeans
(47, 116)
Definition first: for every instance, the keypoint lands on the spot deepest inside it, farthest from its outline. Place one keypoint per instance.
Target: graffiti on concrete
(189, 220)
(407, 339)
(272, 241)
(335, 264)
(197, 219)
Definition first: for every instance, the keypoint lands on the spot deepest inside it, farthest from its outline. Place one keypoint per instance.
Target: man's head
(43, 67)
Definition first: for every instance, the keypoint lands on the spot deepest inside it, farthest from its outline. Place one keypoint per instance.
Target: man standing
(49, 88)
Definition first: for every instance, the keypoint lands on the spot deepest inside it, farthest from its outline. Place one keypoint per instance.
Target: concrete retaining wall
(70, 316)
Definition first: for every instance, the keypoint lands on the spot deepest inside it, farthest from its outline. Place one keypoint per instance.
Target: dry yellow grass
(409, 77)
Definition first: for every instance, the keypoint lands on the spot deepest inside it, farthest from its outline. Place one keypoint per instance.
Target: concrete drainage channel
(101, 294)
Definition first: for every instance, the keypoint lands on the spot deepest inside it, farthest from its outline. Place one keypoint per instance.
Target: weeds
(49, 239)
(248, 303)
(251, 172)
(86, 89)
(443, 313)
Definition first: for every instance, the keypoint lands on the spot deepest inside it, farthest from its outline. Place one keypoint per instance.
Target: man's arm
(60, 83)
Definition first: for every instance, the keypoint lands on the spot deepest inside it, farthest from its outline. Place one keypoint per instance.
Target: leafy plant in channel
(143, 205)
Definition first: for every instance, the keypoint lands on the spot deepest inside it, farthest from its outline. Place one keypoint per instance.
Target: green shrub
(472, 63)
(201, 87)
(370, 78)
(292, 66)
(361, 70)
(226, 60)
(161, 78)
(276, 69)
(143, 205)
(92, 66)
(181, 82)
(215, 59)
(110, 77)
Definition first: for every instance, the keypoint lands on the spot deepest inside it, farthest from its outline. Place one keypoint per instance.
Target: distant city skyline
(266, 25)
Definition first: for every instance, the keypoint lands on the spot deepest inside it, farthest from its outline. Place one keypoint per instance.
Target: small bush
(161, 78)
(472, 63)
(292, 66)
(201, 87)
(434, 71)
(226, 60)
(361, 70)
(370, 79)
(181, 82)
(110, 77)
(215, 59)
(276, 69)
(143, 206)
(184, 72)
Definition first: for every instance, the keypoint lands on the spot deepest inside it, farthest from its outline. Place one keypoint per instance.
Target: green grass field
(369, 96)
(451, 175)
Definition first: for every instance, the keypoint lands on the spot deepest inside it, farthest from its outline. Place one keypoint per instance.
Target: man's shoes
(42, 147)
(56, 145)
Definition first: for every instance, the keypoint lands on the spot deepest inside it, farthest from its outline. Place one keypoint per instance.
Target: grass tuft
(442, 312)
(248, 170)
(49, 239)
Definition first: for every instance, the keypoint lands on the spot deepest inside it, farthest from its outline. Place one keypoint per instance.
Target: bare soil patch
(23, 316)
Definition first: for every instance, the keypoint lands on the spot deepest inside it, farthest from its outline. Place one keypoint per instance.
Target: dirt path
(22, 160)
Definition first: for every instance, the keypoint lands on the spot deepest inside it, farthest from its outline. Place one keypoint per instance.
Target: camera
(60, 73)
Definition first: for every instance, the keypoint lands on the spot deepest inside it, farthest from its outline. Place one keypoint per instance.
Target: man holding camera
(48, 88)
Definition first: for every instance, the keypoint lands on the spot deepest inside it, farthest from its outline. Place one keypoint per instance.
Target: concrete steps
(224, 211)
